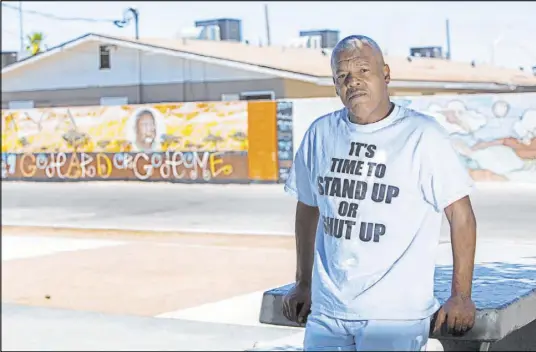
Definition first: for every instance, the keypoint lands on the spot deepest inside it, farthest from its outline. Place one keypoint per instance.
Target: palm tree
(35, 42)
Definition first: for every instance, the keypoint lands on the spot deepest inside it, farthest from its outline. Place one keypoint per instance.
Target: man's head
(360, 73)
(145, 128)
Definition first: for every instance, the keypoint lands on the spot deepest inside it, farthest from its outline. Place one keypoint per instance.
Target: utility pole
(268, 41)
(449, 54)
(21, 30)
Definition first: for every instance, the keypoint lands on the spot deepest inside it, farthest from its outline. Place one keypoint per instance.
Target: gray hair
(353, 42)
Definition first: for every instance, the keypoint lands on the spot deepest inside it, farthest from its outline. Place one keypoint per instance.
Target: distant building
(230, 29)
(104, 70)
(329, 38)
(8, 58)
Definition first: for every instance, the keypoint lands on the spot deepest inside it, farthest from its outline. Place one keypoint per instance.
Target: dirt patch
(149, 274)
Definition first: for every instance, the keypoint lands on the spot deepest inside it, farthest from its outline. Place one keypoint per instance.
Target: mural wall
(285, 152)
(494, 134)
(185, 142)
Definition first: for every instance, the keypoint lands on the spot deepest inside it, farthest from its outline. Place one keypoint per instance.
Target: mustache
(353, 92)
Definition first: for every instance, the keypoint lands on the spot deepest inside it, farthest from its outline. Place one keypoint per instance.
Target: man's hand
(459, 312)
(297, 303)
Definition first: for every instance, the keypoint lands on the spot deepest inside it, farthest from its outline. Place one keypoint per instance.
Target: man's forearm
(305, 228)
(463, 237)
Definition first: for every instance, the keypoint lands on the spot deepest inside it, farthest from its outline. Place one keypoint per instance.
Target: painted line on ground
(148, 229)
(227, 248)
(239, 310)
(153, 230)
(15, 247)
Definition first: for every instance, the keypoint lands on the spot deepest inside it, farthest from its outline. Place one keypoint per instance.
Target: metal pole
(268, 41)
(21, 29)
(135, 14)
(136, 23)
(448, 40)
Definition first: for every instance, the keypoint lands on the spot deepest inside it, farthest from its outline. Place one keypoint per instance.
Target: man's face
(360, 77)
(146, 129)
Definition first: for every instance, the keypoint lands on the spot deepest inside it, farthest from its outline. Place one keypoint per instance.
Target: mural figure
(145, 129)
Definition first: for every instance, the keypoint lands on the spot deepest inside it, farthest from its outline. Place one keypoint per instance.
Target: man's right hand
(297, 303)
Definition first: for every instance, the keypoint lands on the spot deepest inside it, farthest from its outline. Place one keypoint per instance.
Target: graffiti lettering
(171, 165)
(104, 166)
(9, 162)
(176, 164)
(215, 160)
(29, 168)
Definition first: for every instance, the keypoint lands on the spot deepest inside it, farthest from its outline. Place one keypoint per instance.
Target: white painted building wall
(79, 68)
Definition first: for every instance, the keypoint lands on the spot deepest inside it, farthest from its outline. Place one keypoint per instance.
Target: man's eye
(363, 70)
(341, 76)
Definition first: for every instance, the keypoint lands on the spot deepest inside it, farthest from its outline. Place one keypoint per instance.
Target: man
(372, 180)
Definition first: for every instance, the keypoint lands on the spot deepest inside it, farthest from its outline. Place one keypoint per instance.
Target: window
(264, 95)
(113, 101)
(104, 52)
(21, 104)
(230, 97)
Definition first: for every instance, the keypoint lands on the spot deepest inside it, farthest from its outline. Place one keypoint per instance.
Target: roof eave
(164, 51)
(323, 81)
(32, 59)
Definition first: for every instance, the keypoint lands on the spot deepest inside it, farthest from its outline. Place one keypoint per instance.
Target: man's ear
(387, 73)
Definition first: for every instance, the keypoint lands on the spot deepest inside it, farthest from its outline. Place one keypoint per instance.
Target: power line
(59, 18)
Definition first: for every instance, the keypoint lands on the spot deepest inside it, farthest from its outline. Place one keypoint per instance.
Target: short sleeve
(444, 177)
(299, 181)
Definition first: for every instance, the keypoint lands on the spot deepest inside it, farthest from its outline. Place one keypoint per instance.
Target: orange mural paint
(262, 134)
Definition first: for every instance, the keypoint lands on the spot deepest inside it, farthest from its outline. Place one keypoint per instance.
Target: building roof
(306, 64)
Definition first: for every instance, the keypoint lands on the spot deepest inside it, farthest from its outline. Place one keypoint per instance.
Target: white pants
(323, 333)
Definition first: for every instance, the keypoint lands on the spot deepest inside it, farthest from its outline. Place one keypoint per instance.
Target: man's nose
(353, 81)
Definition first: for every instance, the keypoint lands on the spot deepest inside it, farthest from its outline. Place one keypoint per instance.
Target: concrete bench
(504, 292)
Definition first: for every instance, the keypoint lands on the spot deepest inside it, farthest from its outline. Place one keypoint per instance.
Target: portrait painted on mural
(145, 129)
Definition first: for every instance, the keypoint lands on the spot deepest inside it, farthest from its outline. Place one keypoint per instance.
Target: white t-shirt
(381, 190)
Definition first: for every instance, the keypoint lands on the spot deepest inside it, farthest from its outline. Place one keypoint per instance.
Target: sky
(396, 26)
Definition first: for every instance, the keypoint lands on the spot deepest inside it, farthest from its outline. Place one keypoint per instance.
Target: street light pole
(134, 14)
(21, 31)
(126, 20)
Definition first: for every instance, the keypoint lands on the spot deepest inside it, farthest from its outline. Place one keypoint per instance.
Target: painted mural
(494, 134)
(176, 142)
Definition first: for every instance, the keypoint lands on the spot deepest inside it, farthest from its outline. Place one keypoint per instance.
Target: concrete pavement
(51, 329)
(502, 209)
